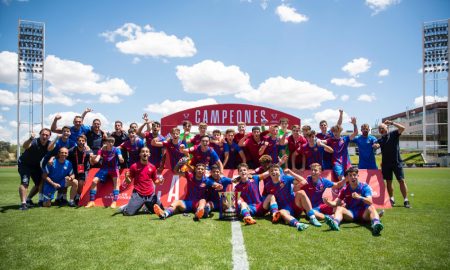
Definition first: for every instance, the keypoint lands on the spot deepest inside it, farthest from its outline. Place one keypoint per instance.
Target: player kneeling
(143, 173)
(357, 198)
(251, 203)
(196, 195)
(58, 175)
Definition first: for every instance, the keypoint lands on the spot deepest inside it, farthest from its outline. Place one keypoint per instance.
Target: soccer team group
(275, 155)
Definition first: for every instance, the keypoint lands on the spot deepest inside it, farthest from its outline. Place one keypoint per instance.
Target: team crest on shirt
(202, 185)
(282, 185)
(65, 167)
(315, 149)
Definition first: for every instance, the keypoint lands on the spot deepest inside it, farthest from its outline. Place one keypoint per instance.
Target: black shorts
(387, 172)
(26, 173)
(81, 176)
(137, 201)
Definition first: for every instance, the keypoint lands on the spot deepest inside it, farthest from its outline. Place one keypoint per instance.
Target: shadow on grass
(5, 208)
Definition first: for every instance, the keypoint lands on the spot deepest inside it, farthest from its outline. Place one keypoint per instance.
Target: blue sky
(308, 58)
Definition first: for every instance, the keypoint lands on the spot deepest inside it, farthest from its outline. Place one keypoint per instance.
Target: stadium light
(30, 72)
(435, 55)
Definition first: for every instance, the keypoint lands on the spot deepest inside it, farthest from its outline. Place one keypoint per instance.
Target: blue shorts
(191, 206)
(48, 191)
(257, 209)
(358, 212)
(103, 174)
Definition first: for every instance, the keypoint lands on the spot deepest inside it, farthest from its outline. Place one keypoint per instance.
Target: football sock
(245, 212)
(116, 194)
(41, 197)
(311, 214)
(169, 212)
(337, 221)
(293, 222)
(92, 194)
(64, 196)
(207, 210)
(273, 208)
(375, 221)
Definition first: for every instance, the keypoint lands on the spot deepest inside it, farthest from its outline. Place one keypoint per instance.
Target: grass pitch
(56, 238)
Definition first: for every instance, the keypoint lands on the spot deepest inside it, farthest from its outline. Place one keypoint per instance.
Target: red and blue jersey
(282, 190)
(233, 150)
(315, 190)
(110, 158)
(272, 148)
(208, 157)
(196, 188)
(249, 190)
(327, 157)
(219, 149)
(133, 149)
(155, 152)
(352, 204)
(213, 194)
(340, 154)
(174, 151)
(313, 154)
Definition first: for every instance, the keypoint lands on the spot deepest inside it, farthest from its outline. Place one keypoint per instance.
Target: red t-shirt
(143, 176)
(293, 145)
(253, 149)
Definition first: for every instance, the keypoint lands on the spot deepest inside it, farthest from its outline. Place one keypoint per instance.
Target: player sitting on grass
(280, 186)
(310, 195)
(251, 203)
(58, 175)
(216, 183)
(354, 203)
(195, 200)
(110, 168)
(143, 173)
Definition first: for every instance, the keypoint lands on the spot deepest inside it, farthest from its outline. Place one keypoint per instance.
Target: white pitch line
(240, 261)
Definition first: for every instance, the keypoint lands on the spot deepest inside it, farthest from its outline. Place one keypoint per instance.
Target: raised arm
(28, 142)
(355, 128)
(146, 123)
(51, 146)
(341, 117)
(86, 111)
(53, 127)
(399, 126)
(298, 179)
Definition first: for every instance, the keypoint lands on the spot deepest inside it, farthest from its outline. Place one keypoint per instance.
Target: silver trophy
(228, 205)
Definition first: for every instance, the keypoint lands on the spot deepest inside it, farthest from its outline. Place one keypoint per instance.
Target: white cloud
(357, 66)
(350, 82)
(288, 92)
(8, 67)
(331, 116)
(5, 109)
(290, 14)
(345, 97)
(380, 5)
(418, 101)
(2, 120)
(136, 60)
(168, 106)
(420, 70)
(367, 98)
(383, 72)
(213, 78)
(8, 98)
(147, 42)
(104, 98)
(69, 78)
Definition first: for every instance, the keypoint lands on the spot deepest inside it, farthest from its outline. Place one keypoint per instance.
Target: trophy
(228, 208)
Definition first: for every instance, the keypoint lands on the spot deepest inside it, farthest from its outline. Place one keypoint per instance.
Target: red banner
(174, 188)
(226, 115)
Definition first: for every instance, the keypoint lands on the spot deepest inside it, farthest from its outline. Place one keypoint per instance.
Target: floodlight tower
(435, 55)
(30, 76)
